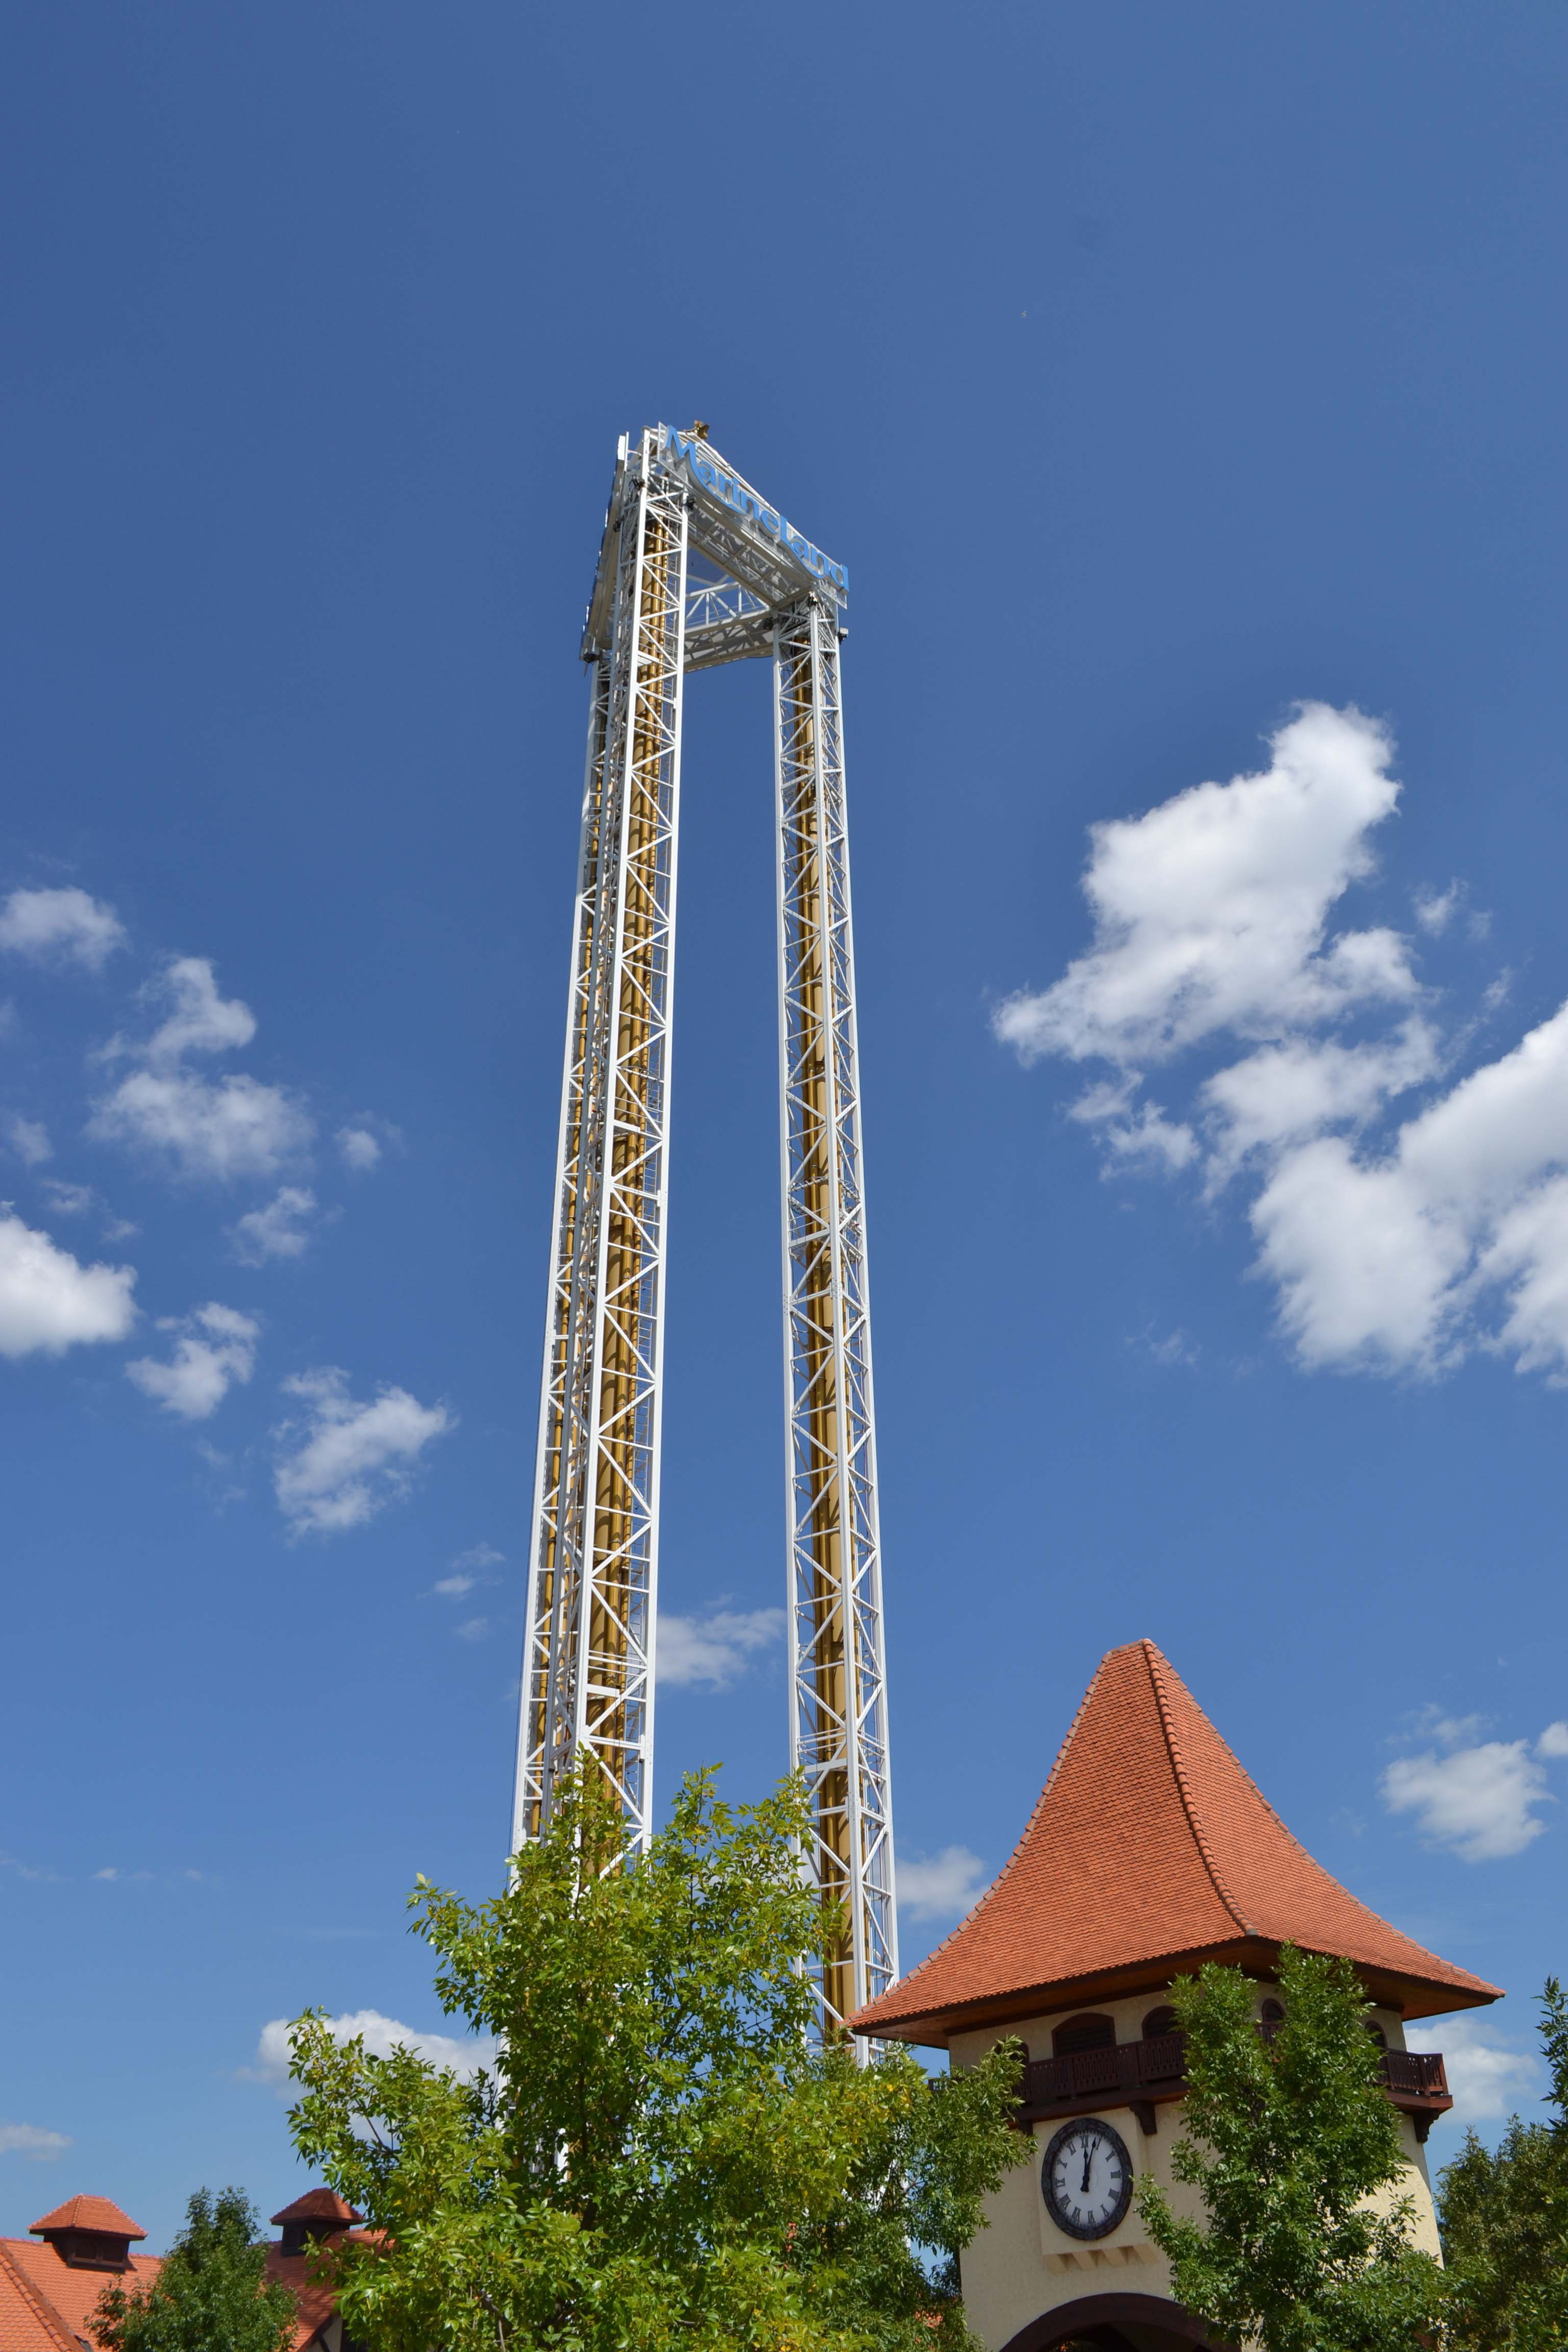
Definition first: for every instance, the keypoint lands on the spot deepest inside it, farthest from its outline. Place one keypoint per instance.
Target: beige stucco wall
(1021, 2265)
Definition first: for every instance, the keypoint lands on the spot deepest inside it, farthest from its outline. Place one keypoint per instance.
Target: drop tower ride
(695, 568)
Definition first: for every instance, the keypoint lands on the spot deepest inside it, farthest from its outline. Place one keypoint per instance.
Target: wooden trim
(1407, 1997)
(1110, 2312)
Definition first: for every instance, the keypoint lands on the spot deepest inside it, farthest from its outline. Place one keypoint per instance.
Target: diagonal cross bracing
(757, 587)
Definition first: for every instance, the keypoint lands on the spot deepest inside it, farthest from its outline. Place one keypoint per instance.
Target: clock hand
(1089, 2146)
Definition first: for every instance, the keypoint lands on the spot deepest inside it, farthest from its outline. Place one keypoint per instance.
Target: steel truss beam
(588, 1665)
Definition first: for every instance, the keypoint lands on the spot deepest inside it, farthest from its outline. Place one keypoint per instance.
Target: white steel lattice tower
(697, 569)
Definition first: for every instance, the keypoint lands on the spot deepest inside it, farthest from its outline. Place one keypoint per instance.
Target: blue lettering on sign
(682, 450)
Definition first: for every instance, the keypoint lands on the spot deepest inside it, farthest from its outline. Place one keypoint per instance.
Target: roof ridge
(1158, 1667)
(49, 2319)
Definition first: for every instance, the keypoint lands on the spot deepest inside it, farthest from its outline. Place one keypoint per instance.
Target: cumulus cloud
(29, 1140)
(344, 1461)
(222, 1128)
(1210, 911)
(1394, 1243)
(26, 2139)
(358, 1149)
(1487, 2078)
(215, 1348)
(281, 1229)
(381, 2036)
(940, 1885)
(713, 1651)
(1478, 1800)
(48, 1301)
(44, 925)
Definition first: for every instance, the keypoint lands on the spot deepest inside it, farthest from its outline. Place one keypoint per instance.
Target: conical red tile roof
(1150, 1851)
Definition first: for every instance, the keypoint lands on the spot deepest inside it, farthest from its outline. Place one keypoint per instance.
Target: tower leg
(587, 1687)
(839, 1729)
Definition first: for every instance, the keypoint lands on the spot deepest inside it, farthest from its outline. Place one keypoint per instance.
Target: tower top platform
(1150, 1852)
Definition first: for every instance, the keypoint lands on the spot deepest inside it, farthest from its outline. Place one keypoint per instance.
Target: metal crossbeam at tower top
(697, 569)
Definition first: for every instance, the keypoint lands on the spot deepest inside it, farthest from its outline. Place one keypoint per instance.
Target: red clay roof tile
(1150, 1846)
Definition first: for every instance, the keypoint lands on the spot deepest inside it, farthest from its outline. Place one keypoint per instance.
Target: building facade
(1149, 1853)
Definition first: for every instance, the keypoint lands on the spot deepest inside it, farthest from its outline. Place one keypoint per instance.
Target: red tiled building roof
(1150, 1851)
(47, 2299)
(100, 2213)
(69, 2293)
(28, 2323)
(318, 2205)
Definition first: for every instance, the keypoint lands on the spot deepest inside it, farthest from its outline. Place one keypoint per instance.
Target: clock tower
(1150, 1852)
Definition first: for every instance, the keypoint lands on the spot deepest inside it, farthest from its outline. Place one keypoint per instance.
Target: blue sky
(1176, 387)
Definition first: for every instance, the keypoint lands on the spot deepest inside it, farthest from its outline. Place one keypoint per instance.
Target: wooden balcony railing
(1144, 2076)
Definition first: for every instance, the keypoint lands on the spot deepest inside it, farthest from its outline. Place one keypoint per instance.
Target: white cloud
(231, 1127)
(1392, 1247)
(217, 1347)
(469, 1570)
(43, 924)
(474, 1629)
(941, 1886)
(1487, 2078)
(48, 1301)
(358, 1149)
(199, 1021)
(220, 1127)
(345, 1461)
(1210, 910)
(381, 2036)
(1554, 1741)
(1479, 1802)
(279, 1230)
(71, 1200)
(1434, 908)
(26, 2139)
(29, 1140)
(712, 1653)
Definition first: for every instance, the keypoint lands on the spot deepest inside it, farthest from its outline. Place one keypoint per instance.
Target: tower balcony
(1145, 2075)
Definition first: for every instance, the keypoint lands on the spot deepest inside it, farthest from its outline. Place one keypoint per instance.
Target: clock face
(1087, 2178)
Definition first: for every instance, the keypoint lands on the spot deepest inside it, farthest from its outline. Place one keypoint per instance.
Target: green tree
(1505, 2221)
(211, 2293)
(1286, 2141)
(657, 2156)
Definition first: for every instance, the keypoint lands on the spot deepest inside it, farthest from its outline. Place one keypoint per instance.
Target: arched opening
(1115, 2323)
(1161, 2022)
(1272, 2012)
(1083, 2034)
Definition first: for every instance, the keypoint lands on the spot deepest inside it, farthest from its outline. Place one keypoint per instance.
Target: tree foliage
(658, 2157)
(1286, 2140)
(1504, 2218)
(210, 2294)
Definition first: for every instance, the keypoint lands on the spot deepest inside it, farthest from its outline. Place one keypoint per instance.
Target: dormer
(90, 2234)
(319, 2213)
